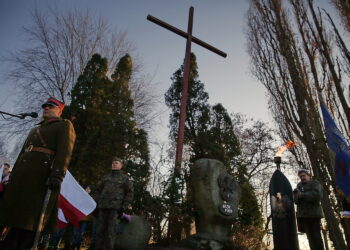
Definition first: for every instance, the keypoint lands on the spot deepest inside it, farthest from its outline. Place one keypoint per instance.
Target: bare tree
(59, 46)
(146, 100)
(296, 65)
(3, 153)
(159, 164)
(257, 144)
(343, 7)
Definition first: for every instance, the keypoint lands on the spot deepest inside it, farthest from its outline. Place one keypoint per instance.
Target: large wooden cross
(184, 92)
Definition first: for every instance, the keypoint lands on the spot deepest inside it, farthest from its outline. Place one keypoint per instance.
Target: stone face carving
(216, 196)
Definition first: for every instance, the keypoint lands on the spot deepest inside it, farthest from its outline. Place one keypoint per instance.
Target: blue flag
(337, 143)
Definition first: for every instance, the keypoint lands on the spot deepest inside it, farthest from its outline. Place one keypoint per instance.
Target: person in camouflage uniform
(308, 196)
(41, 164)
(114, 194)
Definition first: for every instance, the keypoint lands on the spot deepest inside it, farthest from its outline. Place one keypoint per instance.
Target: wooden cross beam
(184, 92)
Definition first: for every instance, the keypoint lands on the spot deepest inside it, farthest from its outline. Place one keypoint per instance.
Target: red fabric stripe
(71, 213)
(61, 224)
(60, 104)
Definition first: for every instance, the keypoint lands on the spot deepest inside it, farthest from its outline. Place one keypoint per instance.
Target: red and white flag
(61, 220)
(74, 202)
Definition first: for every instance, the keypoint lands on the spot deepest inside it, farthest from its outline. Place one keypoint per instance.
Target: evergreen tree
(208, 130)
(217, 140)
(86, 115)
(197, 112)
(209, 133)
(105, 127)
(129, 141)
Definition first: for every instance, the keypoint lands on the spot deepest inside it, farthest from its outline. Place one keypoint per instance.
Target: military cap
(53, 102)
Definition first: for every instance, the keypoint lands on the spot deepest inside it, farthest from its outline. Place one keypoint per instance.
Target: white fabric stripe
(76, 195)
(61, 217)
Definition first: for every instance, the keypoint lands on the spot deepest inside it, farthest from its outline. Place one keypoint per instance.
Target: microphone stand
(2, 113)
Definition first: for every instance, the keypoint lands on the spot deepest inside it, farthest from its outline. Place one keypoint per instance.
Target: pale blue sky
(220, 23)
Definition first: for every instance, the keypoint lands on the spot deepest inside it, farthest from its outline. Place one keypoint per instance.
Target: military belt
(31, 148)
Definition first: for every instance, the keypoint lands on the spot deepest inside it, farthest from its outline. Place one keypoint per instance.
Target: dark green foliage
(197, 105)
(178, 204)
(105, 127)
(86, 110)
(208, 129)
(249, 211)
(217, 140)
(209, 133)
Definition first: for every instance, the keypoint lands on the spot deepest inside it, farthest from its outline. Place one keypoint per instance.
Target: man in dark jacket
(41, 164)
(114, 194)
(307, 196)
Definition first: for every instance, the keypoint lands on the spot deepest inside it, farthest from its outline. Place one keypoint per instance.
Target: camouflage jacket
(114, 191)
(308, 203)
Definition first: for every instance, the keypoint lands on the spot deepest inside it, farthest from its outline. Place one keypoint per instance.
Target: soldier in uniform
(114, 194)
(40, 165)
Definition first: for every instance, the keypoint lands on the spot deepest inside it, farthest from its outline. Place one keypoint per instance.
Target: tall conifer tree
(105, 126)
(85, 109)
(209, 133)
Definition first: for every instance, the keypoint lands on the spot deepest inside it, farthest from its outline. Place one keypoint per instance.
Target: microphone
(32, 114)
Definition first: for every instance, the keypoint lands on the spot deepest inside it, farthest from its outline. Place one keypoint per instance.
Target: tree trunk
(280, 64)
(325, 238)
(335, 234)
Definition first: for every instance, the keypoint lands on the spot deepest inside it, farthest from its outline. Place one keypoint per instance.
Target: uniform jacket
(27, 187)
(308, 203)
(114, 191)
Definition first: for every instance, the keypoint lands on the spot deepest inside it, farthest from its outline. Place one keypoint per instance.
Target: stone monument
(216, 196)
(134, 234)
